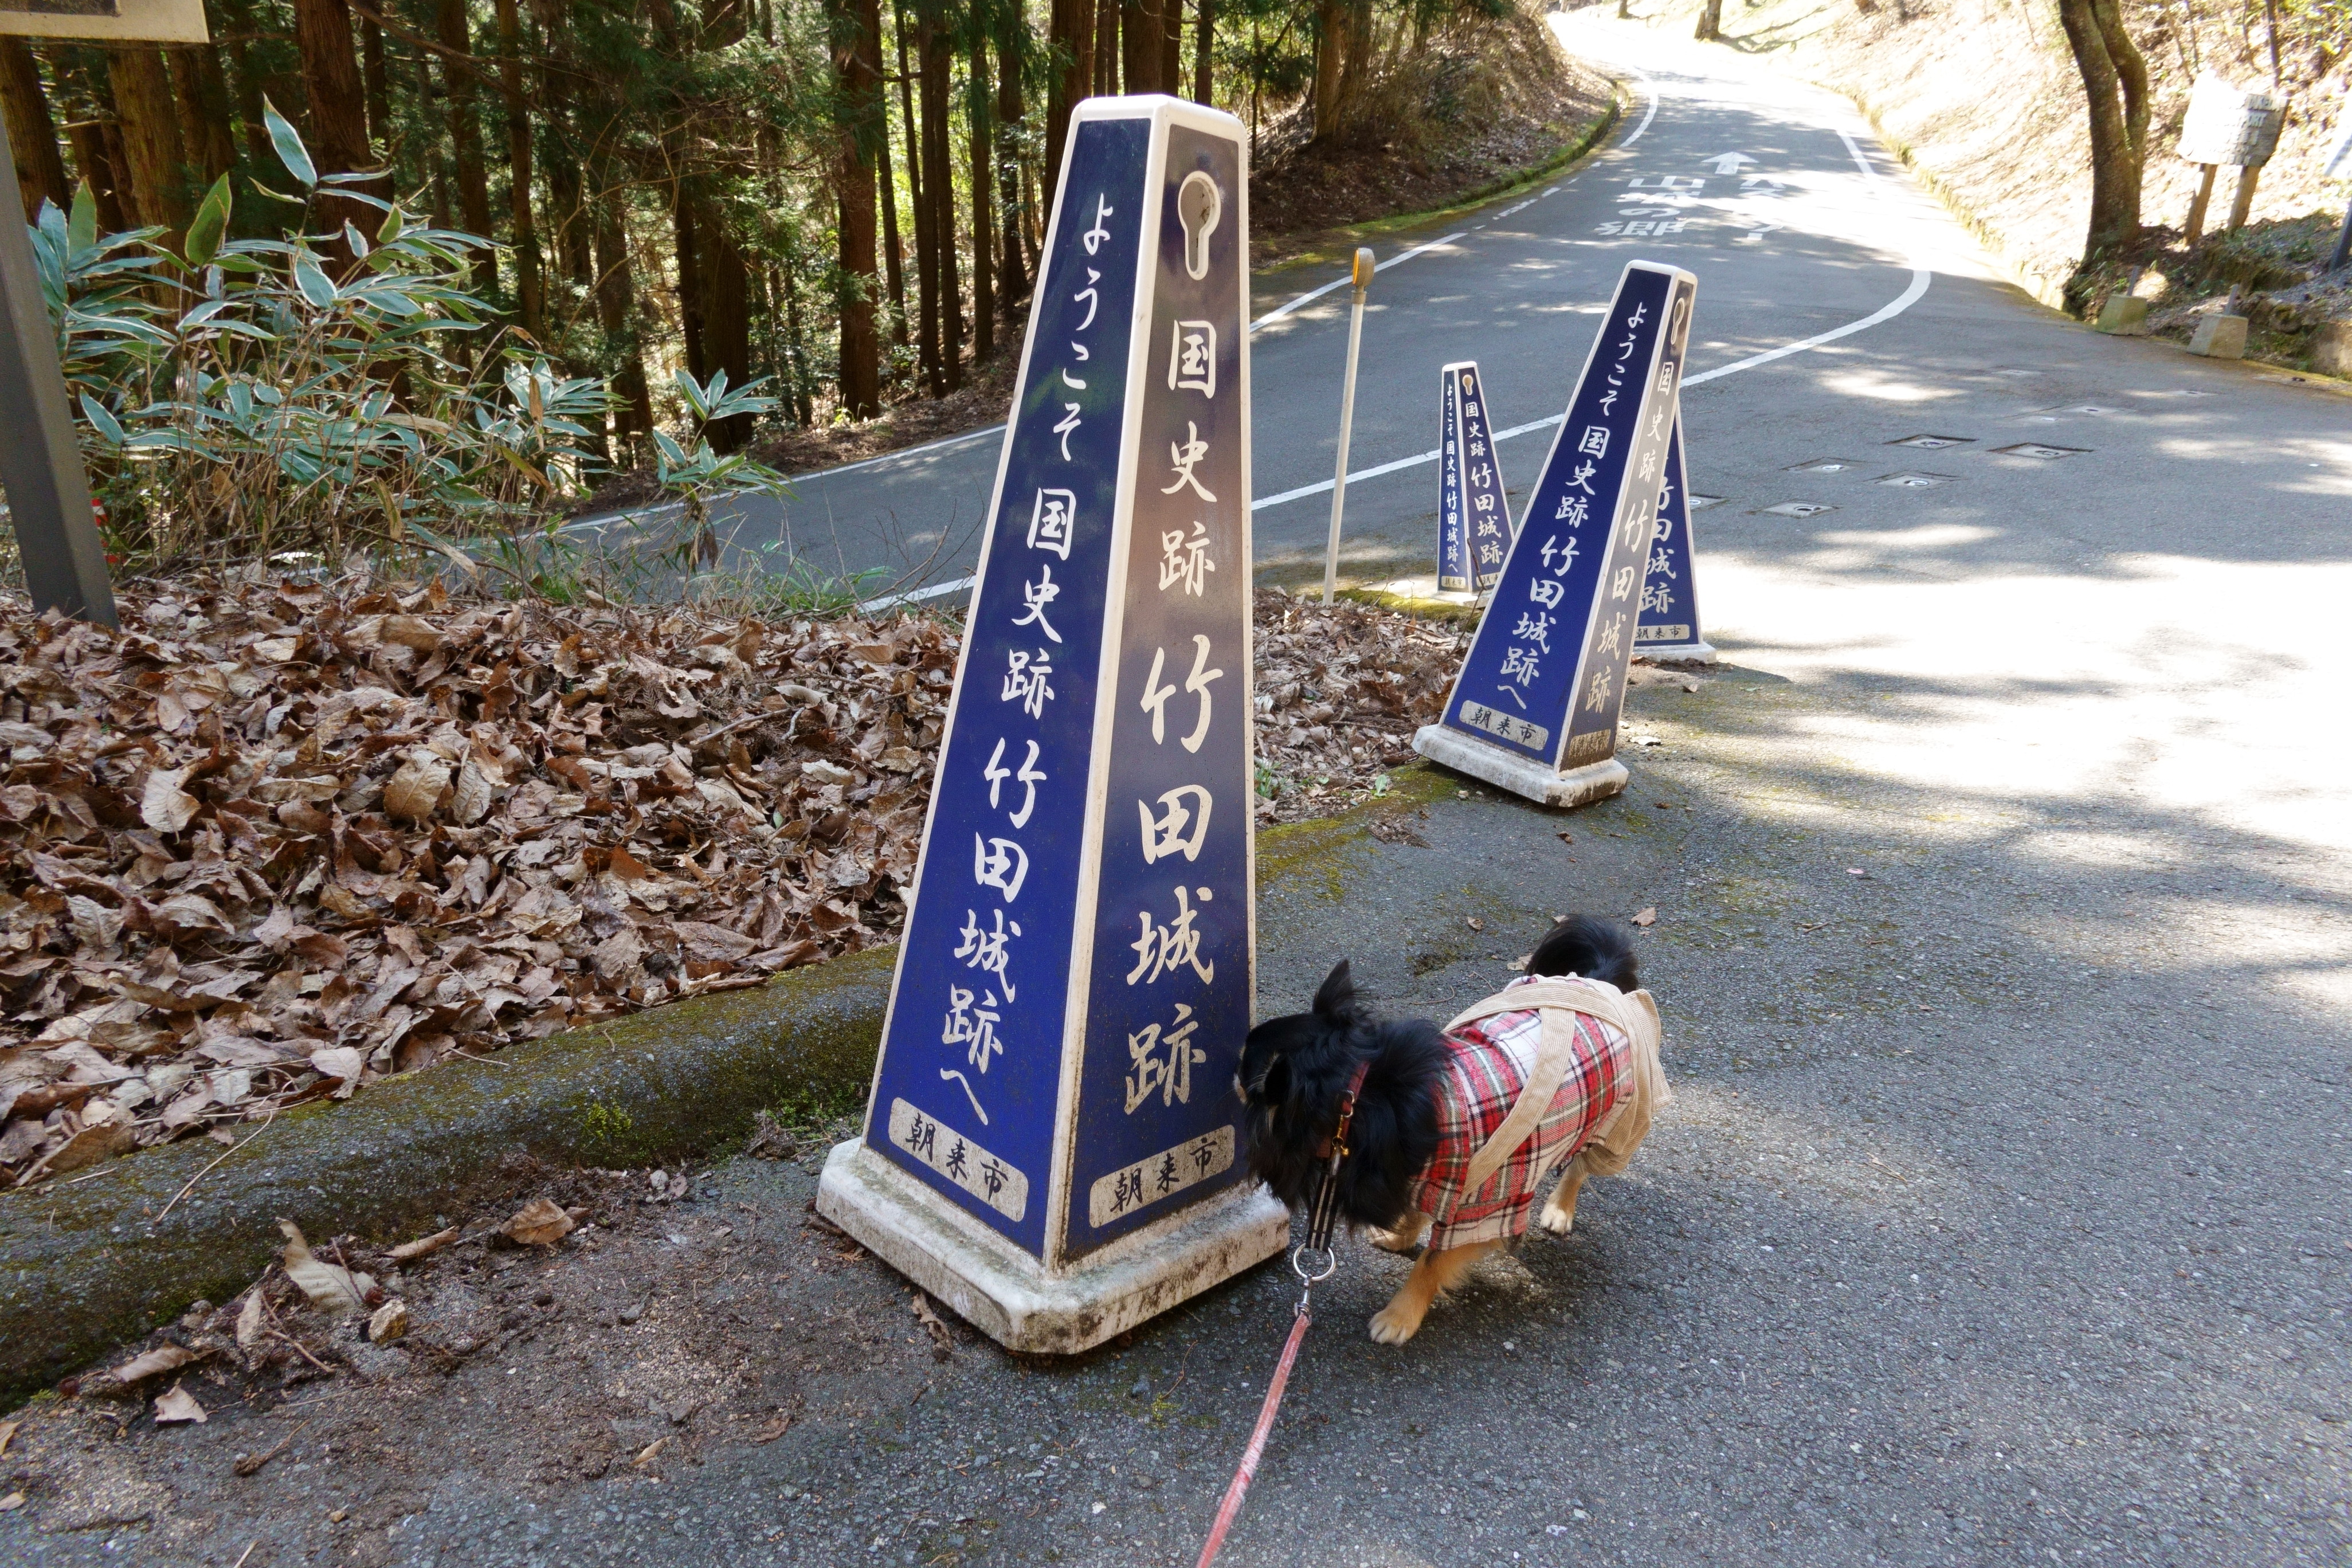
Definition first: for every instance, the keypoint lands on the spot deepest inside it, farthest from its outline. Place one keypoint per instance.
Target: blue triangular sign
(1669, 628)
(1474, 514)
(1535, 707)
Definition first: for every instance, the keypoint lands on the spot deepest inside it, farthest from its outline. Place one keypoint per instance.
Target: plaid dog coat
(1495, 1154)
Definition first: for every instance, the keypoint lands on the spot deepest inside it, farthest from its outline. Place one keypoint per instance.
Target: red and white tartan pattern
(1488, 1066)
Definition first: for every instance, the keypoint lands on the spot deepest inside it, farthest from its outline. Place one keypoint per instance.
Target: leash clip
(1330, 1263)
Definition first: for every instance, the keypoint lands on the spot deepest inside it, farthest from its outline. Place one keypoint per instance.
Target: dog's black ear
(1274, 1088)
(1335, 1002)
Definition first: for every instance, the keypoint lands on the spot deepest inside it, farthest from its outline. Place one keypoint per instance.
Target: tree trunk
(378, 74)
(1011, 280)
(616, 311)
(465, 126)
(337, 136)
(860, 126)
(1330, 51)
(151, 138)
(939, 187)
(1070, 34)
(927, 250)
(1107, 49)
(1204, 35)
(894, 253)
(437, 166)
(257, 155)
(94, 160)
(1138, 45)
(32, 134)
(977, 135)
(1710, 21)
(690, 283)
(219, 146)
(1172, 48)
(2115, 83)
(531, 292)
(726, 316)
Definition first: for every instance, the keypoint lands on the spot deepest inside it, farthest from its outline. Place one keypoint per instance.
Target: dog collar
(1334, 1147)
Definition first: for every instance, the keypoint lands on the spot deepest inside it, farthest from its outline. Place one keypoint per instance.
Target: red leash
(1248, 1472)
(1322, 1217)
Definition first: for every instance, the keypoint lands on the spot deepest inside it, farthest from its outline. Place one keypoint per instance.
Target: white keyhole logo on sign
(1199, 205)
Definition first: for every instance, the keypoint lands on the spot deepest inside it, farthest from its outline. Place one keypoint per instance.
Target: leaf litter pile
(277, 841)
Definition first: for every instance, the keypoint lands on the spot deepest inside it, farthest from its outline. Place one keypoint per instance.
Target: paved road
(1796, 235)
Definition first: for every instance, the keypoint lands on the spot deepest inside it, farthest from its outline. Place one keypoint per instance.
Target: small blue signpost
(1669, 628)
(1051, 1142)
(1535, 707)
(1474, 514)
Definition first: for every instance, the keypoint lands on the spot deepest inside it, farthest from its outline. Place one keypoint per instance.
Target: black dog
(1295, 1072)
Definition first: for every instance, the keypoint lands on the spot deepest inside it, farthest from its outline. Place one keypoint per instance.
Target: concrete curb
(84, 1267)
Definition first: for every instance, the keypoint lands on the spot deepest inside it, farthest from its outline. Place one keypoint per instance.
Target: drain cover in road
(1797, 509)
(1933, 443)
(2039, 449)
(1915, 481)
(1823, 466)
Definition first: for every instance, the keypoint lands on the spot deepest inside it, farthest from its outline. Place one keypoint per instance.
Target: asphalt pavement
(2003, 920)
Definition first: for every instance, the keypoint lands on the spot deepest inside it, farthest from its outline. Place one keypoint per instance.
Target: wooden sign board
(2230, 124)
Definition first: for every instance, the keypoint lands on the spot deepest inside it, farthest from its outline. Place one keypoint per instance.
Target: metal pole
(1361, 275)
(40, 463)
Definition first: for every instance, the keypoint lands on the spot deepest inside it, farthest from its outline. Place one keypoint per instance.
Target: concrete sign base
(1005, 1292)
(1578, 786)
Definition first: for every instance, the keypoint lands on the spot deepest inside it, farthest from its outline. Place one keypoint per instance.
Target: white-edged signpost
(1052, 1144)
(1669, 628)
(1535, 707)
(1474, 513)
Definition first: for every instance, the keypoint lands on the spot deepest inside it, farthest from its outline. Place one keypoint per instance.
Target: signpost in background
(1535, 707)
(1474, 513)
(1052, 1145)
(1669, 628)
(2230, 124)
(40, 460)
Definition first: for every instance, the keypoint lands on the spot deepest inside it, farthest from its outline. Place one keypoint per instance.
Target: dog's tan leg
(1402, 1237)
(1436, 1273)
(1559, 1214)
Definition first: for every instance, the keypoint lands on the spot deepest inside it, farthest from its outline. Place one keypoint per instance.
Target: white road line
(914, 595)
(1920, 277)
(1647, 115)
(1281, 311)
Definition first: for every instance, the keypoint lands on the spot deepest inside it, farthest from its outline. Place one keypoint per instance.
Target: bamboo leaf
(205, 230)
(81, 229)
(312, 279)
(105, 423)
(289, 143)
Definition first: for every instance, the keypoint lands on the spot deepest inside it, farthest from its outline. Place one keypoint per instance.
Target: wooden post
(2204, 197)
(41, 464)
(2243, 207)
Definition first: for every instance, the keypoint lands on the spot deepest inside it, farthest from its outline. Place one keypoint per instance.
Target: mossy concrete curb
(86, 1266)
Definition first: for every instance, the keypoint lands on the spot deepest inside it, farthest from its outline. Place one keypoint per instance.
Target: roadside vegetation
(2069, 171)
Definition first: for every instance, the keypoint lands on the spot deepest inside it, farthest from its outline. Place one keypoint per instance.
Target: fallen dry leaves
(178, 1405)
(274, 841)
(1340, 690)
